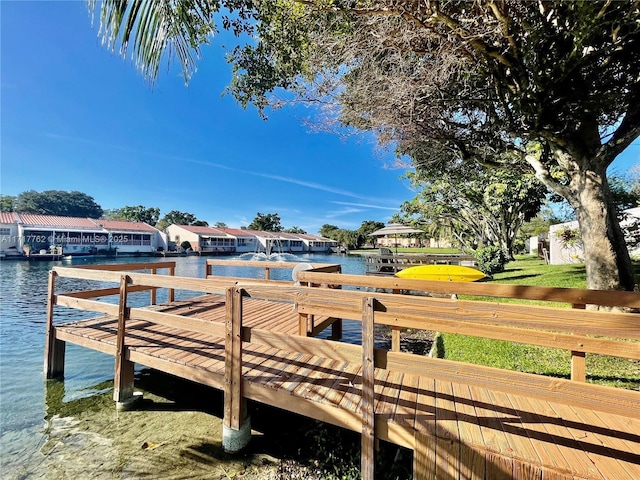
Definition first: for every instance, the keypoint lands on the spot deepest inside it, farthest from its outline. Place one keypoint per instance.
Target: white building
(202, 239)
(562, 252)
(32, 233)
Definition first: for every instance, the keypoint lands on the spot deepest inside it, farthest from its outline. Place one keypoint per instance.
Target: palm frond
(153, 30)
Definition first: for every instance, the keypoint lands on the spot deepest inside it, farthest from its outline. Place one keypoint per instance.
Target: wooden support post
(267, 273)
(336, 329)
(154, 271)
(303, 324)
(367, 459)
(54, 349)
(123, 381)
(578, 359)
(336, 326)
(233, 360)
(172, 272)
(578, 366)
(395, 339)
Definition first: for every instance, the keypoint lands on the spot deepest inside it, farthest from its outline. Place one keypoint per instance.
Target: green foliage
(491, 259)
(186, 245)
(174, 217)
(266, 223)
(477, 205)
(569, 237)
(295, 230)
(58, 202)
(367, 228)
(7, 203)
(138, 213)
(328, 231)
(624, 191)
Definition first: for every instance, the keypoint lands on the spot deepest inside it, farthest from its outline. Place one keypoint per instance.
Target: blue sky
(75, 116)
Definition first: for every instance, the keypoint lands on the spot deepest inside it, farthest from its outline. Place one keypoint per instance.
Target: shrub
(186, 245)
(490, 259)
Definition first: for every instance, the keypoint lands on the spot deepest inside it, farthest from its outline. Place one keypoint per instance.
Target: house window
(5, 231)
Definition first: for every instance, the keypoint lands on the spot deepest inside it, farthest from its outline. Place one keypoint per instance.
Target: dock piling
(124, 368)
(54, 349)
(236, 428)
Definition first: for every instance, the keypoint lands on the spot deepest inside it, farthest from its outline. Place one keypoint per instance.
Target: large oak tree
(558, 83)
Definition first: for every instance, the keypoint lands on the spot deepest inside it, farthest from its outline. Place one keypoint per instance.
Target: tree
(138, 213)
(369, 226)
(350, 239)
(7, 203)
(58, 202)
(266, 223)
(445, 81)
(174, 217)
(295, 230)
(481, 206)
(328, 231)
(220, 225)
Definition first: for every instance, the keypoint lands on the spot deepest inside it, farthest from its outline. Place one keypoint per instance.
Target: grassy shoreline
(529, 270)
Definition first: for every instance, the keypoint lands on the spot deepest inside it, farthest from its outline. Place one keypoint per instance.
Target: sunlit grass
(528, 270)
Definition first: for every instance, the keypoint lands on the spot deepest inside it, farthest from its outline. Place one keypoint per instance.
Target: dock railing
(576, 298)
(598, 332)
(581, 331)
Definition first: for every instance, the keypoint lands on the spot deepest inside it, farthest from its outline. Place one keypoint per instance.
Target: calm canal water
(24, 400)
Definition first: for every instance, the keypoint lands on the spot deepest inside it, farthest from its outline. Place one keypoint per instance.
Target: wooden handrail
(550, 294)
(127, 267)
(596, 397)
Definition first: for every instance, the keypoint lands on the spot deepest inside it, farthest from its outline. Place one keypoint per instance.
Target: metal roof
(54, 221)
(206, 231)
(121, 225)
(7, 217)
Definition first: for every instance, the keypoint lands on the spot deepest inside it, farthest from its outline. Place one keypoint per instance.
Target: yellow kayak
(450, 273)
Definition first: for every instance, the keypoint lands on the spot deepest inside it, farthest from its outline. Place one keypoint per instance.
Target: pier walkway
(254, 340)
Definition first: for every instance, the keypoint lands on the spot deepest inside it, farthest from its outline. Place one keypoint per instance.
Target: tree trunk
(606, 255)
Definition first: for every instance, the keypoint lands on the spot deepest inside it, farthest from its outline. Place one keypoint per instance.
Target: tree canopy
(175, 217)
(269, 222)
(58, 202)
(138, 213)
(558, 83)
(7, 203)
(481, 206)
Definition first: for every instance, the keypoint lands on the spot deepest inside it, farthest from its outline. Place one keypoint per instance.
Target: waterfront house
(9, 235)
(75, 235)
(246, 241)
(132, 237)
(202, 239)
(33, 233)
(316, 244)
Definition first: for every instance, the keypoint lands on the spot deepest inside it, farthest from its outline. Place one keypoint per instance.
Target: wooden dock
(254, 340)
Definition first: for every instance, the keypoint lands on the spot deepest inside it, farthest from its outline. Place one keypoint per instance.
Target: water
(27, 400)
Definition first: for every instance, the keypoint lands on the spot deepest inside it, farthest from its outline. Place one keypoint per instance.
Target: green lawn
(528, 270)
